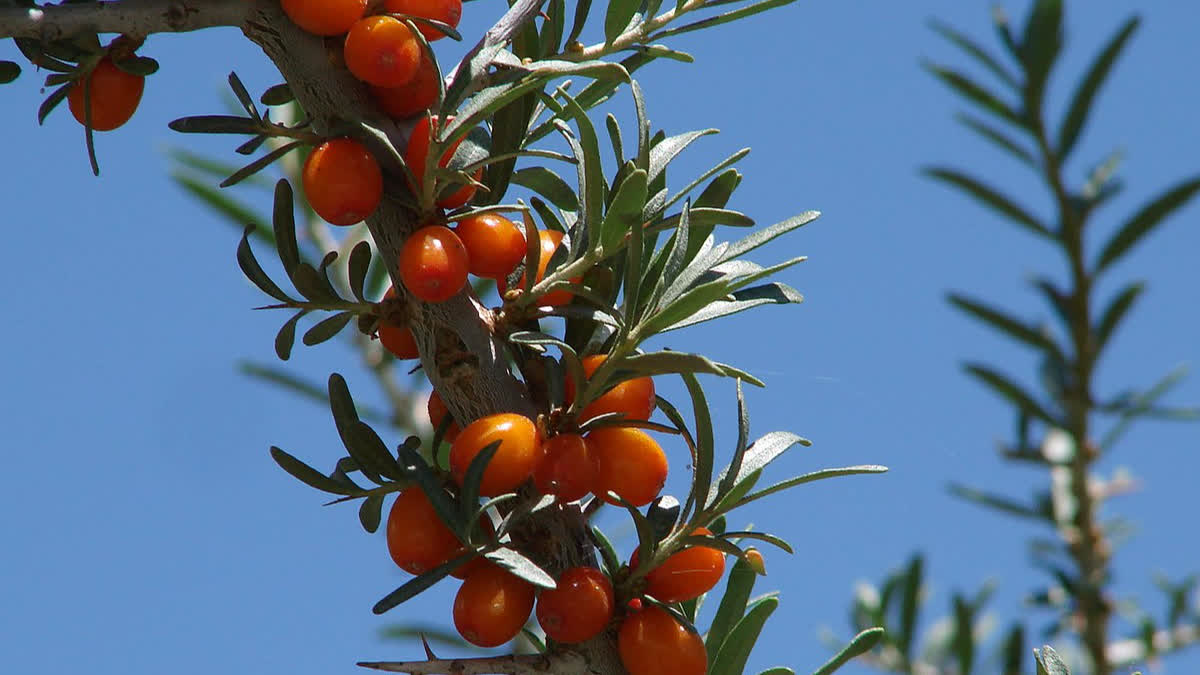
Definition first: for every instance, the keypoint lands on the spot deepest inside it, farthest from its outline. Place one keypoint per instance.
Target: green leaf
(243, 96)
(975, 51)
(668, 149)
(418, 584)
(664, 362)
(617, 18)
(547, 184)
(762, 452)
(522, 567)
(591, 173)
(1115, 312)
(909, 605)
(254, 272)
(720, 167)
(327, 328)
(740, 13)
(760, 237)
(999, 138)
(260, 163)
(582, 7)
(469, 496)
(702, 463)
(356, 269)
(809, 478)
(1014, 651)
(1085, 94)
(861, 644)
(216, 124)
(220, 202)
(370, 513)
(771, 539)
(1014, 328)
(1008, 389)
(9, 71)
(608, 554)
(964, 640)
(1002, 504)
(991, 198)
(1144, 222)
(773, 293)
(733, 606)
(975, 93)
(552, 29)
(624, 212)
(57, 96)
(280, 94)
(1040, 45)
(1049, 662)
(306, 474)
(286, 337)
(283, 221)
(735, 650)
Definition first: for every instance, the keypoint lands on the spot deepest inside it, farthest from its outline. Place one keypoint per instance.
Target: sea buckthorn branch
(131, 17)
(516, 664)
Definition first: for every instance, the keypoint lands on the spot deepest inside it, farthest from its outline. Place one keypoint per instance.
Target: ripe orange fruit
(492, 606)
(433, 263)
(579, 608)
(417, 151)
(686, 574)
(446, 11)
(398, 340)
(628, 462)
(382, 51)
(114, 96)
(549, 241)
(437, 410)
(519, 453)
(342, 181)
(567, 471)
(324, 17)
(419, 541)
(652, 642)
(634, 398)
(494, 244)
(416, 96)
(416, 536)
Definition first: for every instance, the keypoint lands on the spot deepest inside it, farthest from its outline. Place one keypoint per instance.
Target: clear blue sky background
(146, 529)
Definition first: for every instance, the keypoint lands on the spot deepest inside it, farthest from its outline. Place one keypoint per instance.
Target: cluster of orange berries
(492, 605)
(342, 180)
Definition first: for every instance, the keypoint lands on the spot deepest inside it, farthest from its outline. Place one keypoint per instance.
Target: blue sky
(147, 529)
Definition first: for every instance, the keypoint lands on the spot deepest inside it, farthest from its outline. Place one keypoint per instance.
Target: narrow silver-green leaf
(735, 650)
(861, 644)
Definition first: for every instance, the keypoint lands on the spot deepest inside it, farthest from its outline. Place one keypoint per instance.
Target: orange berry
(398, 340)
(567, 471)
(417, 151)
(419, 541)
(447, 11)
(324, 17)
(418, 95)
(416, 536)
(686, 574)
(114, 96)
(492, 606)
(634, 397)
(549, 241)
(382, 51)
(652, 642)
(433, 263)
(342, 181)
(579, 608)
(628, 462)
(437, 410)
(494, 244)
(519, 453)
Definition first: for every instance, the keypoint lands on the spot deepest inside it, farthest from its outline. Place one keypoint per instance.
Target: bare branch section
(131, 17)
